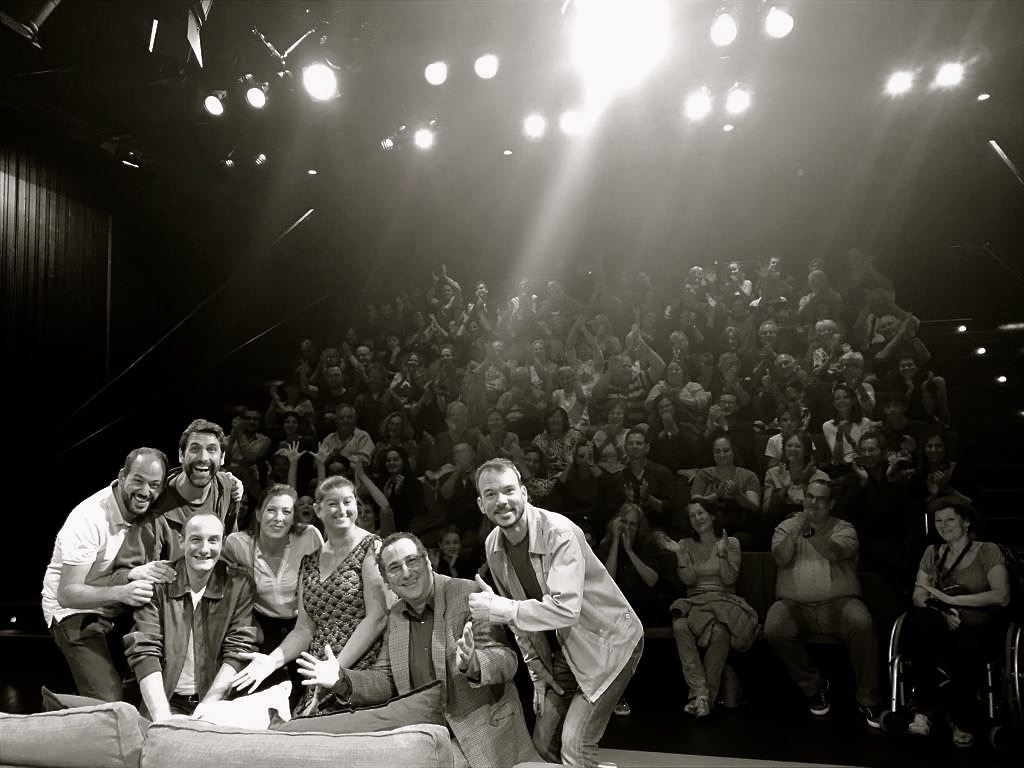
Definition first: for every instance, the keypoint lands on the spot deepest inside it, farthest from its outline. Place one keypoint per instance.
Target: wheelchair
(1000, 693)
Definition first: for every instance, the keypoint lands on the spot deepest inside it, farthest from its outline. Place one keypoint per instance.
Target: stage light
(260, 160)
(424, 138)
(698, 104)
(617, 43)
(899, 82)
(949, 75)
(129, 158)
(572, 122)
(228, 162)
(738, 100)
(534, 126)
(436, 73)
(778, 23)
(980, 351)
(1001, 379)
(255, 93)
(984, 96)
(486, 66)
(25, 25)
(961, 329)
(214, 103)
(320, 81)
(723, 29)
(728, 127)
(507, 152)
(311, 172)
(387, 143)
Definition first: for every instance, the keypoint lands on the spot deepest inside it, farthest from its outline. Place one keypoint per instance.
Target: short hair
(331, 483)
(875, 435)
(277, 489)
(960, 505)
(824, 483)
(853, 357)
(344, 407)
(203, 427)
(893, 396)
(793, 409)
(566, 426)
(196, 516)
(391, 539)
(636, 431)
(155, 453)
(497, 465)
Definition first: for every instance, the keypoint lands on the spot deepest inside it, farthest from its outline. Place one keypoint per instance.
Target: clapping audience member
(347, 439)
(583, 492)
(644, 482)
(293, 402)
(785, 483)
(557, 441)
(246, 449)
(927, 395)
(843, 431)
(711, 617)
(735, 491)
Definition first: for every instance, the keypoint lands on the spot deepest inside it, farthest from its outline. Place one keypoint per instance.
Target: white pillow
(252, 711)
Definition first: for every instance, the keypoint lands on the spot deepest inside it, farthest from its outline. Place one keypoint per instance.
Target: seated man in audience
(246, 449)
(431, 636)
(348, 439)
(82, 617)
(197, 486)
(818, 593)
(191, 639)
(642, 481)
(723, 417)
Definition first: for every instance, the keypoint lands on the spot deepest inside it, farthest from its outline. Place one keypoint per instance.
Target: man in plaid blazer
(429, 637)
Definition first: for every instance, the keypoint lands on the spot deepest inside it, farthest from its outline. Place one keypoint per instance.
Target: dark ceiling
(821, 141)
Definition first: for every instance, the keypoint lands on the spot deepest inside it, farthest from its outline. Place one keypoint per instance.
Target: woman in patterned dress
(341, 599)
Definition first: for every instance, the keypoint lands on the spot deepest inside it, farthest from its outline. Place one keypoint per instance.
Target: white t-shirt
(92, 535)
(186, 685)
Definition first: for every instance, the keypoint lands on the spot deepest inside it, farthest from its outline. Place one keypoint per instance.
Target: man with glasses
(430, 636)
(818, 593)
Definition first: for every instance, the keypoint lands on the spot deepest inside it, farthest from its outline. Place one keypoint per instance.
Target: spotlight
(486, 66)
(507, 152)
(424, 138)
(778, 23)
(961, 329)
(311, 172)
(949, 75)
(984, 96)
(228, 162)
(899, 82)
(320, 81)
(980, 351)
(436, 73)
(723, 29)
(534, 126)
(572, 122)
(214, 103)
(698, 104)
(255, 93)
(738, 100)
(618, 43)
(728, 127)
(387, 143)
(260, 160)
(1001, 379)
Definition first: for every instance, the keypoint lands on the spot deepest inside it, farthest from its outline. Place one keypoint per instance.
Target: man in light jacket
(579, 636)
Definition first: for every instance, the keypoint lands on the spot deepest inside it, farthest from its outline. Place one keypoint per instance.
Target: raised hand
(322, 672)
(322, 453)
(721, 548)
(291, 452)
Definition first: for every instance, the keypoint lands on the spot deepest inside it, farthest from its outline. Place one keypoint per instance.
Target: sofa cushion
(422, 705)
(108, 735)
(177, 743)
(53, 702)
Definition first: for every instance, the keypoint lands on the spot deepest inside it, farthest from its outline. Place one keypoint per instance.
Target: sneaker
(698, 706)
(961, 738)
(920, 725)
(872, 713)
(819, 702)
(622, 708)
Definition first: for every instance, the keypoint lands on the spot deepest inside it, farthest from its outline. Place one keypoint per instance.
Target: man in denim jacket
(579, 636)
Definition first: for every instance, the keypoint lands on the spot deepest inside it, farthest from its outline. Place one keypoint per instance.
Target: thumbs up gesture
(722, 545)
(324, 673)
(485, 605)
(466, 660)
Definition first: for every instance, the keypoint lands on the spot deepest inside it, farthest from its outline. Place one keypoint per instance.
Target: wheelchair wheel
(1013, 675)
(1000, 737)
(891, 722)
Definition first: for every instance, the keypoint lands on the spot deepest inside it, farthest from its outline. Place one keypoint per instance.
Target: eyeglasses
(414, 563)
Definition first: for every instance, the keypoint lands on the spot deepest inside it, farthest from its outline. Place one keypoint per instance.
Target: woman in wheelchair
(961, 585)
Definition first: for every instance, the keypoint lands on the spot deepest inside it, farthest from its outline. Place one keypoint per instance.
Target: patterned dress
(335, 606)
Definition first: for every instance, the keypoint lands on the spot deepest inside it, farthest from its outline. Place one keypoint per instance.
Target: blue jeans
(94, 653)
(846, 618)
(571, 726)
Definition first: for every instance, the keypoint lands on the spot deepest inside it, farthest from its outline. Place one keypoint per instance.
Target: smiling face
(794, 449)
(700, 518)
(277, 516)
(393, 462)
(842, 401)
(141, 483)
(935, 450)
(502, 498)
(870, 452)
(407, 571)
(451, 545)
(201, 458)
(201, 542)
(908, 367)
(722, 451)
(950, 524)
(337, 509)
